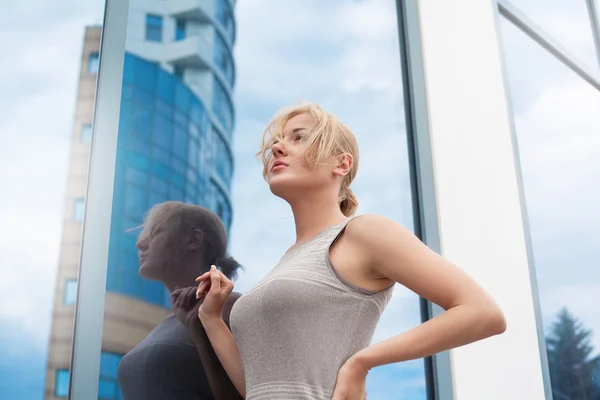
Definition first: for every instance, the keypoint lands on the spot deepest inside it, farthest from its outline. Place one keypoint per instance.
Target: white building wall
(477, 192)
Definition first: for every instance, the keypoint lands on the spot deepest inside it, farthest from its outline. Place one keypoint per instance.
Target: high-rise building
(175, 132)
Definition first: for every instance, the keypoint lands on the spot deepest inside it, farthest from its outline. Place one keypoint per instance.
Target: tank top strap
(336, 232)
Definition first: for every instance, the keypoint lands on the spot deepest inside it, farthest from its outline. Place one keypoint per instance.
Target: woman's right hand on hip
(216, 288)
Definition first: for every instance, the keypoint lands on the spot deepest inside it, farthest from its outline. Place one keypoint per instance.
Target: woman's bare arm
(395, 253)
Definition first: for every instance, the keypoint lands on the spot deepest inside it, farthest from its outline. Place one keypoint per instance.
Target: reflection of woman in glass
(178, 243)
(303, 332)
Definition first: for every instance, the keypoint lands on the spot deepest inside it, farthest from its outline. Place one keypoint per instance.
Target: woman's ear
(196, 239)
(344, 164)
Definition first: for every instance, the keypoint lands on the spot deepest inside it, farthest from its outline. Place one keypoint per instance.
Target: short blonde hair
(328, 137)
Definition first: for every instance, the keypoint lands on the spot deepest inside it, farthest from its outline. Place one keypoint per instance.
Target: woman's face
(153, 252)
(288, 172)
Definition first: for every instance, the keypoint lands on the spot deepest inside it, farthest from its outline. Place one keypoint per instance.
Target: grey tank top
(301, 322)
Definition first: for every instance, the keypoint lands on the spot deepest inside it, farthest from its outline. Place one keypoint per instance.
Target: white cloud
(42, 48)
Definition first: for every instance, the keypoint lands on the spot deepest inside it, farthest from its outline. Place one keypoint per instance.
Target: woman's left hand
(351, 383)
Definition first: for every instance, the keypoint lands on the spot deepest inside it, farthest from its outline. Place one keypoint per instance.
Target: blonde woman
(304, 331)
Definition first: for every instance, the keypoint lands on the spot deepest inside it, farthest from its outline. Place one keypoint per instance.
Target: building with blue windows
(174, 143)
(170, 147)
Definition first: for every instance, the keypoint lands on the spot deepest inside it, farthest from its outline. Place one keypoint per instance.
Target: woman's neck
(314, 214)
(184, 275)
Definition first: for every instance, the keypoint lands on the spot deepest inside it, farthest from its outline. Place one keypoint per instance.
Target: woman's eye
(299, 138)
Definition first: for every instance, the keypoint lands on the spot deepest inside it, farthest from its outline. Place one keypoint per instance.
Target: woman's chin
(146, 272)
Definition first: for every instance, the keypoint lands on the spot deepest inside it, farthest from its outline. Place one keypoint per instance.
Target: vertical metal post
(89, 313)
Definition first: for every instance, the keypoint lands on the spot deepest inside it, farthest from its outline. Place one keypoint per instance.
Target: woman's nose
(279, 149)
(140, 244)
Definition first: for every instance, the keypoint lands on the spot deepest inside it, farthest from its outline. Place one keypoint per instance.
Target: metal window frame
(438, 371)
(91, 288)
(595, 23)
(534, 31)
(526, 226)
(546, 41)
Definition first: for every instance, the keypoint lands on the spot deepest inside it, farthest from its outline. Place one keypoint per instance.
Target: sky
(343, 55)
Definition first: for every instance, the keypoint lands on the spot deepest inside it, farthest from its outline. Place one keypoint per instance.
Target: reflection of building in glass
(175, 133)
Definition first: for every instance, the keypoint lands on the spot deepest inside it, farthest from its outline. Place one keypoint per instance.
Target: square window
(145, 76)
(160, 155)
(86, 133)
(93, 63)
(176, 194)
(62, 383)
(159, 186)
(142, 120)
(136, 176)
(161, 171)
(182, 97)
(177, 165)
(165, 86)
(137, 160)
(162, 131)
(180, 29)
(138, 144)
(180, 142)
(178, 71)
(78, 209)
(154, 25)
(135, 201)
(70, 292)
(177, 180)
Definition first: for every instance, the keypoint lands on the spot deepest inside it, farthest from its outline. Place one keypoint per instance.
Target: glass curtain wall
(558, 134)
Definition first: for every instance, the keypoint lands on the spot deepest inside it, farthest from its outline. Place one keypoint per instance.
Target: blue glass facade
(222, 107)
(224, 58)
(168, 149)
(108, 387)
(226, 19)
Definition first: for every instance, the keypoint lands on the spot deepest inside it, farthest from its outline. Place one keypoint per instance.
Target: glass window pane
(179, 29)
(70, 292)
(557, 129)
(566, 21)
(86, 133)
(154, 26)
(136, 176)
(93, 62)
(135, 201)
(61, 386)
(78, 209)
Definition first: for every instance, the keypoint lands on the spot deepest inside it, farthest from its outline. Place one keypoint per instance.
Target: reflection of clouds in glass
(567, 21)
(581, 301)
(42, 46)
(560, 157)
